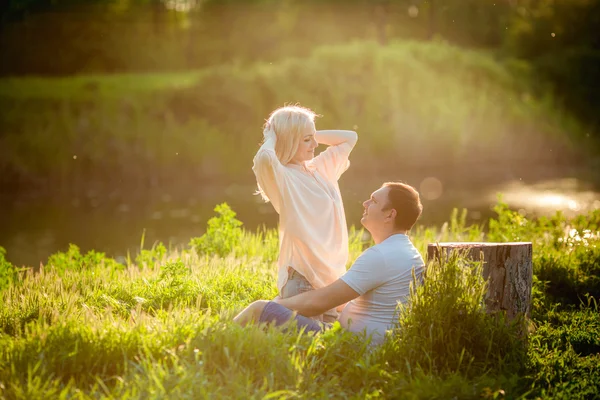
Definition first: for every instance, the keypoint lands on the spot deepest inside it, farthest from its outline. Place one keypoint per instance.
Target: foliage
(568, 266)
(565, 354)
(456, 229)
(149, 257)
(8, 272)
(148, 128)
(162, 328)
(556, 39)
(446, 329)
(235, 31)
(560, 39)
(175, 272)
(223, 234)
(72, 259)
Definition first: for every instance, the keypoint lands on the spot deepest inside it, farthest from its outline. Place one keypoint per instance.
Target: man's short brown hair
(405, 200)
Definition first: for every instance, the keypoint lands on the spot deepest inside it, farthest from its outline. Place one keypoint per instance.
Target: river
(114, 223)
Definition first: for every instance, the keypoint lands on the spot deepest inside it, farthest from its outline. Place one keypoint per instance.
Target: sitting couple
(313, 282)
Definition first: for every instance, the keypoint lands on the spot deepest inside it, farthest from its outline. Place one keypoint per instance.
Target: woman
(313, 236)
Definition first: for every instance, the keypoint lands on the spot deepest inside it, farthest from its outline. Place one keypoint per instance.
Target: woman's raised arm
(334, 160)
(335, 137)
(268, 170)
(266, 152)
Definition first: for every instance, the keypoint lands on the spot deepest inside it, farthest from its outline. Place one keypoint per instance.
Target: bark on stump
(507, 267)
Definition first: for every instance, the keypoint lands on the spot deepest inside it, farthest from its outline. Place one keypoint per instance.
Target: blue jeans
(279, 315)
(297, 284)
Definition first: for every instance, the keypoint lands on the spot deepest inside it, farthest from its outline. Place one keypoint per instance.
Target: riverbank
(113, 222)
(112, 219)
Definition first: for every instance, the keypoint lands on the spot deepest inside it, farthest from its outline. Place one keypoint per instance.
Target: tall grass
(413, 104)
(446, 329)
(84, 326)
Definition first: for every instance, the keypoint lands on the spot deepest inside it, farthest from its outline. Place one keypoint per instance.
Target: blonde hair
(290, 124)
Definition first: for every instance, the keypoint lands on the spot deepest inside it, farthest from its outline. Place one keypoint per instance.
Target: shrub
(174, 272)
(223, 234)
(72, 259)
(8, 272)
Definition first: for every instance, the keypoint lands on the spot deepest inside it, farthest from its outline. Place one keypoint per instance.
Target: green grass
(88, 87)
(84, 326)
(409, 101)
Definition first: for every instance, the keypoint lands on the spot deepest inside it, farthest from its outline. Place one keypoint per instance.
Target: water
(115, 223)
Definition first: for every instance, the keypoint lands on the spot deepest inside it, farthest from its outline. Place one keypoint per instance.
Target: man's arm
(318, 301)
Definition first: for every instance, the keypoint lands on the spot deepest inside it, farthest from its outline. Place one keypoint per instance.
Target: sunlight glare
(180, 5)
(431, 188)
(551, 200)
(573, 205)
(549, 197)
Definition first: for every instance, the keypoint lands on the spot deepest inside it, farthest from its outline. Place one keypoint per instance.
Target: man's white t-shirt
(382, 276)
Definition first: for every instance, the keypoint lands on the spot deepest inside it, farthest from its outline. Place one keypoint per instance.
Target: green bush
(72, 259)
(8, 272)
(223, 233)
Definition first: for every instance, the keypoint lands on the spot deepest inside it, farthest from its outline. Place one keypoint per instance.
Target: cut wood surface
(508, 267)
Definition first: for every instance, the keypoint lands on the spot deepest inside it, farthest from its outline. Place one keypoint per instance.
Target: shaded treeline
(558, 39)
(426, 109)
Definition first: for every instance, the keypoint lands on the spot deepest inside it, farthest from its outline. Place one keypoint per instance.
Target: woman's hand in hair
(269, 134)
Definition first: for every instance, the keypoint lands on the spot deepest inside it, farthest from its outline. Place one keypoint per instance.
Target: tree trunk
(507, 267)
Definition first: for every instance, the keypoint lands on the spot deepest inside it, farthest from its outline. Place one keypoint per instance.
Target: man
(377, 281)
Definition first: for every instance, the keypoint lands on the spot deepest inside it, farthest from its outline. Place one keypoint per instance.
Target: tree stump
(507, 267)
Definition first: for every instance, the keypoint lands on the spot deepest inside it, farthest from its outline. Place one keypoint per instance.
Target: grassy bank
(413, 104)
(86, 326)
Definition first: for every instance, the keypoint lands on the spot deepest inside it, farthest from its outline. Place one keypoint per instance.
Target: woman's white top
(313, 236)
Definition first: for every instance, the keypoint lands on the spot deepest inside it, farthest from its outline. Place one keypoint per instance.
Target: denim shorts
(277, 314)
(297, 284)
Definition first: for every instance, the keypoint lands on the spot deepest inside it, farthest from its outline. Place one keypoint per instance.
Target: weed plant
(8, 272)
(84, 326)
